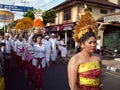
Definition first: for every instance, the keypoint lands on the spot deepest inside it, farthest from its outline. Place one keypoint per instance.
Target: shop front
(110, 28)
(64, 31)
(112, 37)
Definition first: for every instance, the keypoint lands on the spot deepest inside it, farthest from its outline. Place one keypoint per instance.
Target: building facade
(68, 14)
(109, 30)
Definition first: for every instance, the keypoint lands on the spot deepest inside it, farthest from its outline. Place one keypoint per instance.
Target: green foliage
(2, 30)
(29, 14)
(12, 24)
(49, 16)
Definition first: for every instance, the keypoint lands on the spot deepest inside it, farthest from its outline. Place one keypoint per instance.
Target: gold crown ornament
(85, 24)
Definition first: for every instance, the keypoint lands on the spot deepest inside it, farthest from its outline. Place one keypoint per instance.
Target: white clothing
(48, 46)
(2, 47)
(25, 41)
(13, 42)
(53, 42)
(60, 43)
(54, 51)
(48, 50)
(8, 45)
(30, 40)
(43, 40)
(29, 52)
(1, 53)
(39, 52)
(63, 51)
(98, 44)
(12, 39)
(20, 49)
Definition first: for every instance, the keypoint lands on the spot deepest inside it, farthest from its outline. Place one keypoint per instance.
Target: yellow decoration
(2, 83)
(24, 24)
(89, 81)
(6, 16)
(86, 24)
(89, 66)
(38, 23)
(85, 68)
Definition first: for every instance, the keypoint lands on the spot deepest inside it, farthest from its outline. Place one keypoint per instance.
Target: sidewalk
(112, 65)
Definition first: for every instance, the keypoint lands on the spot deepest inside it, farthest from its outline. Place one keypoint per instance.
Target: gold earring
(82, 46)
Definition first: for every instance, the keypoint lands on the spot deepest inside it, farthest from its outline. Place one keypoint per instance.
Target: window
(103, 11)
(67, 14)
(53, 20)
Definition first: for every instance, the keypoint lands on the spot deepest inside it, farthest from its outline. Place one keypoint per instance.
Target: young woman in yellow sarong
(84, 71)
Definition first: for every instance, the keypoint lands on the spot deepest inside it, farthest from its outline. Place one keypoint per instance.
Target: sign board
(16, 8)
(114, 18)
(68, 26)
(59, 27)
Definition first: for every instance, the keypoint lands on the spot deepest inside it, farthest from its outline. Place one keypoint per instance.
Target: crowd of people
(32, 52)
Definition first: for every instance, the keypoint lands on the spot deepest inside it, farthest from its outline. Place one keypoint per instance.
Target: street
(111, 81)
(54, 78)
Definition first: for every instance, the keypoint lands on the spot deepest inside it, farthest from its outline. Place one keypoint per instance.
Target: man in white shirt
(48, 50)
(1, 53)
(54, 47)
(7, 50)
(98, 47)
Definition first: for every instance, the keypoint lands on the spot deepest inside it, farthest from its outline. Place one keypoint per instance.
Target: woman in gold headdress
(84, 71)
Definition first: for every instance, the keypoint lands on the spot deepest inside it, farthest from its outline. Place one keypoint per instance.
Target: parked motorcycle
(110, 54)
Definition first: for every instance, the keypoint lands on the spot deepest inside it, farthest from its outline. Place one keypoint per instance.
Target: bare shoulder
(73, 60)
(97, 57)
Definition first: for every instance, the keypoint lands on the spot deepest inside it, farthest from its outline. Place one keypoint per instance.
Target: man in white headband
(48, 50)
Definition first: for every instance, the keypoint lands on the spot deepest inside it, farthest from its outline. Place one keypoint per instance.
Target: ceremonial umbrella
(24, 23)
(6, 17)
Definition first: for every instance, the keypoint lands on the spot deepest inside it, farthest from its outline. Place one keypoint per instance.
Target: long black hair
(86, 36)
(36, 36)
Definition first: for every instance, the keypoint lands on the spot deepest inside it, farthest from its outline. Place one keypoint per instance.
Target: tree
(30, 14)
(12, 24)
(2, 30)
(49, 16)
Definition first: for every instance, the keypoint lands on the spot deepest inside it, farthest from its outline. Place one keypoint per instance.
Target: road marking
(111, 74)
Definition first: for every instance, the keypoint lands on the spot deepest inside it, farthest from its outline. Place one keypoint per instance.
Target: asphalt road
(54, 78)
(111, 81)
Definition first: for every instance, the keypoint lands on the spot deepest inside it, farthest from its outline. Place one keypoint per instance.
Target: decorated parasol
(24, 23)
(6, 17)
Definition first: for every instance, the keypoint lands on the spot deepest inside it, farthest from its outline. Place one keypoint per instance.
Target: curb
(110, 68)
(117, 59)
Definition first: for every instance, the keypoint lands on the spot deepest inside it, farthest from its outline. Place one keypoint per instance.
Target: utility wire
(47, 3)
